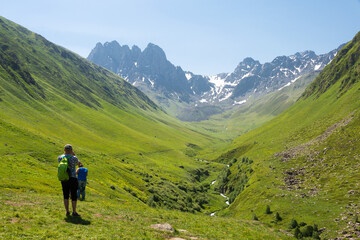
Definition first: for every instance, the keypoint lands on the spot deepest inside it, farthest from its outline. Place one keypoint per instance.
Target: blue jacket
(82, 174)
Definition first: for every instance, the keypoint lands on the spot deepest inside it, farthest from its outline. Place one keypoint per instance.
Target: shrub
(267, 210)
(298, 233)
(316, 229)
(307, 231)
(316, 235)
(301, 224)
(293, 224)
(277, 217)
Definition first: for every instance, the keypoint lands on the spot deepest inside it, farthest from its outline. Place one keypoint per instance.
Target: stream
(227, 202)
(227, 198)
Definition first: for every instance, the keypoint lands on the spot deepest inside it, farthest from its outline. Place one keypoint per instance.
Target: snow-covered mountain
(253, 78)
(150, 71)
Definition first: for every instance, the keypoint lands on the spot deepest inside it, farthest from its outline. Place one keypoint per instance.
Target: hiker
(70, 186)
(82, 174)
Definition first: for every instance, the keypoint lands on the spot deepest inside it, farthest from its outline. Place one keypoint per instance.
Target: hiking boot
(67, 213)
(75, 214)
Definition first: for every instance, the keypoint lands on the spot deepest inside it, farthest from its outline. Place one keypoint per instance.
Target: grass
(41, 216)
(135, 153)
(138, 156)
(305, 161)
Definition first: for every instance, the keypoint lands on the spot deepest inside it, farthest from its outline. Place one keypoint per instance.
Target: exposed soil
(291, 178)
(352, 230)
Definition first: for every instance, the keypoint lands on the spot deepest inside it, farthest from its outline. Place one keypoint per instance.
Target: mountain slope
(137, 155)
(50, 96)
(304, 162)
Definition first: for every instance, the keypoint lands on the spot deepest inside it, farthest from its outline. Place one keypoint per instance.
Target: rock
(163, 227)
(181, 167)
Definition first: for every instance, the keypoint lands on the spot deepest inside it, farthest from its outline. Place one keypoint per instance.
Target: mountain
(251, 78)
(196, 97)
(252, 114)
(303, 164)
(143, 166)
(147, 70)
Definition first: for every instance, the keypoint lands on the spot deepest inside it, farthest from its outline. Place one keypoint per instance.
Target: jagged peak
(135, 48)
(112, 44)
(99, 45)
(151, 48)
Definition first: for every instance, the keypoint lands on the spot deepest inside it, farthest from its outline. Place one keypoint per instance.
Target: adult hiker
(82, 174)
(70, 186)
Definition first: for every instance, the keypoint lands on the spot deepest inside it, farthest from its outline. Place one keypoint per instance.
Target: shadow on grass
(77, 220)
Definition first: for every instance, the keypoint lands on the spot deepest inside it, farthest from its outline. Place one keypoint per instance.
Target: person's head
(68, 149)
(81, 165)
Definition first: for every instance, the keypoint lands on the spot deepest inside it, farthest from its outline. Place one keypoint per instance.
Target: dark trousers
(70, 187)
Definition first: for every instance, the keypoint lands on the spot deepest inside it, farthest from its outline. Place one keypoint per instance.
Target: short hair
(68, 147)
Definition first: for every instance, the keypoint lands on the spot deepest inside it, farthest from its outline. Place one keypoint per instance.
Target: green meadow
(143, 164)
(278, 159)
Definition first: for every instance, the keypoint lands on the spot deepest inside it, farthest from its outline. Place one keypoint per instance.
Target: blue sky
(203, 36)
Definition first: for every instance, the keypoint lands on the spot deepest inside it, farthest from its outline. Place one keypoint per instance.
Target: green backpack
(63, 169)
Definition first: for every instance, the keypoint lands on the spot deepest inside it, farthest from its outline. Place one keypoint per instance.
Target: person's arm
(77, 171)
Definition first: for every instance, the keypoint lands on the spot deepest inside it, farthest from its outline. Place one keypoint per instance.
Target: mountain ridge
(249, 79)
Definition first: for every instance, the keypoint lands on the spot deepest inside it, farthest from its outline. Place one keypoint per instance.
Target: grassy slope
(306, 159)
(49, 97)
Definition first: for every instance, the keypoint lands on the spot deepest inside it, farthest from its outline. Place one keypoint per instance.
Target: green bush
(267, 210)
(298, 233)
(307, 231)
(277, 217)
(293, 224)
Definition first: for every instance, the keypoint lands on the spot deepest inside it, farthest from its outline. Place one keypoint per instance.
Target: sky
(202, 36)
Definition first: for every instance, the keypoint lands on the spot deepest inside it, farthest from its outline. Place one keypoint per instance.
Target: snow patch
(317, 67)
(218, 82)
(288, 84)
(188, 76)
(294, 80)
(152, 83)
(240, 102)
(203, 100)
(226, 97)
